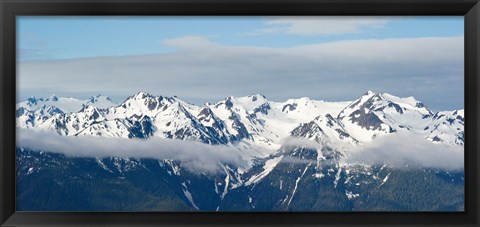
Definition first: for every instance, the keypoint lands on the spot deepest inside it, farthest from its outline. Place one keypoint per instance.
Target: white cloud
(194, 156)
(320, 26)
(398, 150)
(189, 42)
(430, 69)
(293, 142)
(395, 149)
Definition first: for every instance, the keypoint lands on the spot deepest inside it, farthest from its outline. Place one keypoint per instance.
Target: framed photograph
(160, 113)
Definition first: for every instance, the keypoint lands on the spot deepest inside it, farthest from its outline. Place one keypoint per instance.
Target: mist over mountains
(241, 153)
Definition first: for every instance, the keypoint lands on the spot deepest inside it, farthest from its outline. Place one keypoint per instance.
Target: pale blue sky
(176, 55)
(73, 37)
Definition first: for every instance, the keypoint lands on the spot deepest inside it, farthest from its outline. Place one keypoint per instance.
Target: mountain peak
(141, 95)
(371, 99)
(362, 100)
(230, 98)
(255, 97)
(305, 99)
(369, 93)
(32, 101)
(228, 102)
(460, 112)
(88, 108)
(52, 97)
(205, 111)
(410, 100)
(94, 99)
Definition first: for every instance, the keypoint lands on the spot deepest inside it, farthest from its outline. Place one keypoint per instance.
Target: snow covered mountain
(295, 149)
(251, 121)
(35, 111)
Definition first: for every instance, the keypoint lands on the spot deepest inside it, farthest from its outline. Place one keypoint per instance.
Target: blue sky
(176, 55)
(73, 37)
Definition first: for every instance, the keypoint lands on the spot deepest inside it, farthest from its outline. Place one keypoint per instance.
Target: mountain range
(297, 153)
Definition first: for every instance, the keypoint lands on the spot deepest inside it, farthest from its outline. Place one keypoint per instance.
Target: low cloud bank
(395, 149)
(399, 150)
(293, 142)
(194, 156)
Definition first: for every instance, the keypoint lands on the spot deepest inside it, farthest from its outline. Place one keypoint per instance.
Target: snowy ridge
(244, 122)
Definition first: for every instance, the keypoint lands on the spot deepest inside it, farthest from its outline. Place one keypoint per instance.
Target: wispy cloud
(321, 26)
(190, 42)
(194, 156)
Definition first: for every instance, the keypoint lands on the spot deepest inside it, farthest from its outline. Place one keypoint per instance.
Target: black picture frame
(9, 9)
